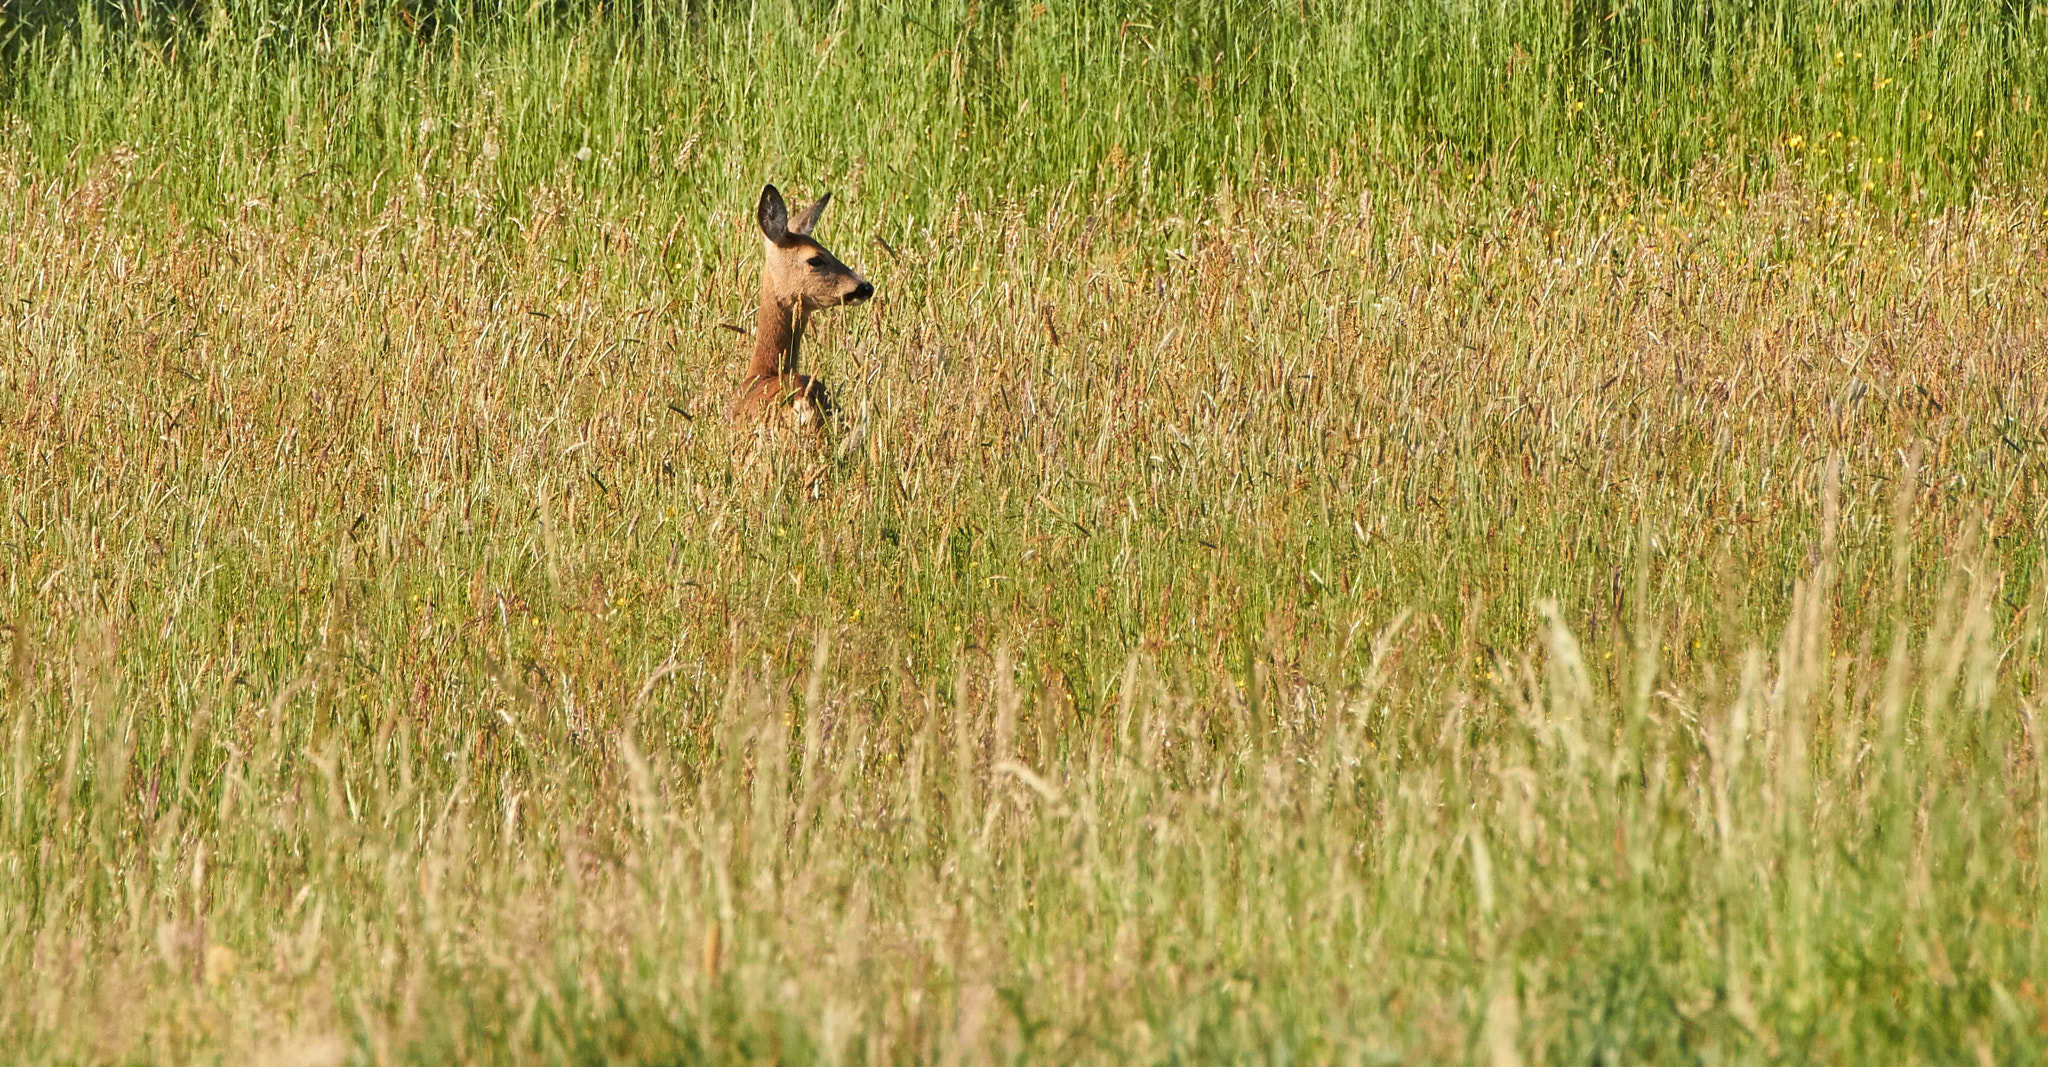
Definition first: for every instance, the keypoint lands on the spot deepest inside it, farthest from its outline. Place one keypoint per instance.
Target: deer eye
(817, 261)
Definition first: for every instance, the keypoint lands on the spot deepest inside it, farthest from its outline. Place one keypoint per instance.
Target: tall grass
(1324, 642)
(927, 102)
(1486, 598)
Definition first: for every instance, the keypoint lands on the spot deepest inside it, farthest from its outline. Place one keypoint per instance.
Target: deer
(799, 278)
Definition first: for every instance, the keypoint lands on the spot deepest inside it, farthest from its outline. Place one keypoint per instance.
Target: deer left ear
(773, 215)
(809, 218)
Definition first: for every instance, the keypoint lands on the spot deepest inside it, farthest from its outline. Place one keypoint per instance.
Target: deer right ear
(773, 215)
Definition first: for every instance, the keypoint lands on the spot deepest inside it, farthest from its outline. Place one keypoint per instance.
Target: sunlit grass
(406, 663)
(310, 110)
(1390, 611)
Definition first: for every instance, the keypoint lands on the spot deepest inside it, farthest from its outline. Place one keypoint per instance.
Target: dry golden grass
(1331, 624)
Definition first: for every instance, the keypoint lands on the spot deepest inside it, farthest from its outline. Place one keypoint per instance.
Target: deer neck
(778, 334)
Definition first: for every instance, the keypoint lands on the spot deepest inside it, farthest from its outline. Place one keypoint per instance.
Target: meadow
(1366, 532)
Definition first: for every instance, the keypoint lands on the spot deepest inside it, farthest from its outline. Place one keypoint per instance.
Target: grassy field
(1387, 533)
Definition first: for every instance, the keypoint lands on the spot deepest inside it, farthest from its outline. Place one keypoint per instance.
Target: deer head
(801, 275)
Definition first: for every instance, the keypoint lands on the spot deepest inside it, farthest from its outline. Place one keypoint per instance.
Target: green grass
(923, 103)
(1250, 613)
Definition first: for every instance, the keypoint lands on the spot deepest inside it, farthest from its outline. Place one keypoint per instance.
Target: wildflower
(1796, 142)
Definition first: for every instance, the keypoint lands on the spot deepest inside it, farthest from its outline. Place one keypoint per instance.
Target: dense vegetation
(922, 104)
(1371, 532)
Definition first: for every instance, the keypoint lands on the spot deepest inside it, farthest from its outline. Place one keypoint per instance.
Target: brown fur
(798, 277)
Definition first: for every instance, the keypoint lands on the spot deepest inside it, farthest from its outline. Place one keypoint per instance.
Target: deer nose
(860, 293)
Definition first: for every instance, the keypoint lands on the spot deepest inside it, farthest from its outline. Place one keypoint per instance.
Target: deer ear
(773, 215)
(809, 218)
